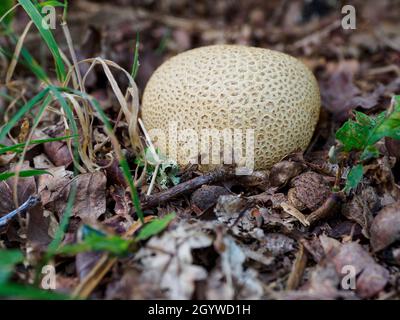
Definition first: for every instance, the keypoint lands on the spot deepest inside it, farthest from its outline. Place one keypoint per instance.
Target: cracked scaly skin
(236, 87)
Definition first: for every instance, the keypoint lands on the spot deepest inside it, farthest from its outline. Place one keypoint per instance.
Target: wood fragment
(298, 268)
(328, 208)
(295, 213)
(187, 186)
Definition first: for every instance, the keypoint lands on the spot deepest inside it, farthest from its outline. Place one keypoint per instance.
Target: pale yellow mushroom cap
(236, 87)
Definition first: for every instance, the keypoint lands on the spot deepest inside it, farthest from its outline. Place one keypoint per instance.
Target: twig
(31, 202)
(211, 177)
(327, 209)
(298, 268)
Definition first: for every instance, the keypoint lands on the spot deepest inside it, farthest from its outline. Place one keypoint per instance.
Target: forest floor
(306, 229)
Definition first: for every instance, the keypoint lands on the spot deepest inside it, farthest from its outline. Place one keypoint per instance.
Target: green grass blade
(59, 236)
(47, 36)
(122, 160)
(155, 226)
(23, 174)
(72, 194)
(19, 146)
(27, 61)
(12, 290)
(136, 64)
(21, 112)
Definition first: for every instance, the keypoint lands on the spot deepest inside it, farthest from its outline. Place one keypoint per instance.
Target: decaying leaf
(339, 92)
(230, 280)
(207, 196)
(361, 208)
(371, 277)
(385, 228)
(90, 201)
(168, 261)
(58, 153)
(54, 189)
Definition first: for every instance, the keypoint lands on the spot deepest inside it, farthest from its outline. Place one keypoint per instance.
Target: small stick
(31, 202)
(298, 268)
(187, 186)
(327, 209)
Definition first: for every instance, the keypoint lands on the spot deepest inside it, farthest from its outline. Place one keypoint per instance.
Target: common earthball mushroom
(236, 87)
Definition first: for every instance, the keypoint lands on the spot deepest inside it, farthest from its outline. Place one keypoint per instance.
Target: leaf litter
(287, 233)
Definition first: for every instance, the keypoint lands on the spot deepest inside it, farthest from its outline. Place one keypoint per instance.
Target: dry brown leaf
(372, 277)
(385, 228)
(58, 153)
(90, 201)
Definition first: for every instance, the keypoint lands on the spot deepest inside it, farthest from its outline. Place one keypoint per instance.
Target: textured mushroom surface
(236, 87)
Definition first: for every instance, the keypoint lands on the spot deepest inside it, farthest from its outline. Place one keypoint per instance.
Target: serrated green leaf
(390, 126)
(363, 132)
(154, 227)
(354, 135)
(354, 177)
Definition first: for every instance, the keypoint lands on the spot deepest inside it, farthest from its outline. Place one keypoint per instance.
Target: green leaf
(21, 112)
(23, 174)
(365, 131)
(8, 259)
(369, 152)
(390, 126)
(354, 177)
(354, 135)
(154, 227)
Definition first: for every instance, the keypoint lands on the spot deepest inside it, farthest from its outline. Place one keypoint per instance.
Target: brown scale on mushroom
(236, 87)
